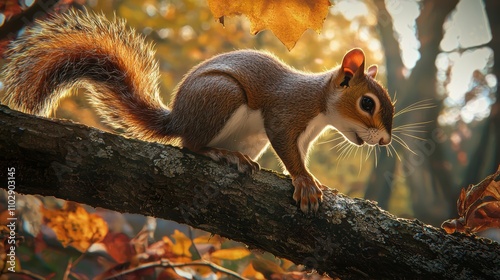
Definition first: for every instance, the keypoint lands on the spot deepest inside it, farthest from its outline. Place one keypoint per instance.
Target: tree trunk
(348, 238)
(425, 167)
(479, 165)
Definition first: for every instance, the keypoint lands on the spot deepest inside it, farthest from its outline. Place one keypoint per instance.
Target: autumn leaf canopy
(287, 19)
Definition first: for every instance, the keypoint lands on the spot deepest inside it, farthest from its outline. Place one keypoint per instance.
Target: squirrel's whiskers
(230, 107)
(346, 149)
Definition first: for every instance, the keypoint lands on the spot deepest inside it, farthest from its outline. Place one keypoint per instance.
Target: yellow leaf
(250, 272)
(267, 267)
(204, 271)
(182, 244)
(74, 226)
(231, 254)
(208, 239)
(286, 264)
(287, 19)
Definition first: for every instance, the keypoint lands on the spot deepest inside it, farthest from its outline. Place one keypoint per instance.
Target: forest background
(448, 73)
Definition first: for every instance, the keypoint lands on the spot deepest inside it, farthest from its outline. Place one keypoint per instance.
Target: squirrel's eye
(367, 104)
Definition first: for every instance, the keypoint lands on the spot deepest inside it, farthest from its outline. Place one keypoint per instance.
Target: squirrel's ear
(372, 71)
(353, 66)
(354, 62)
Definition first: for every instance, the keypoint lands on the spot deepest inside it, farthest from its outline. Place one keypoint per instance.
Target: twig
(27, 273)
(68, 269)
(167, 264)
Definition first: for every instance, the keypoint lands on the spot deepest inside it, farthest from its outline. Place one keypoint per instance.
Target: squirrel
(229, 107)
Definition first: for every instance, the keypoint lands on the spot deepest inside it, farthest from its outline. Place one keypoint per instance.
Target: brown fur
(112, 62)
(119, 70)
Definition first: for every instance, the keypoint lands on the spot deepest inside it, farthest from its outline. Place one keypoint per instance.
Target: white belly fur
(243, 132)
(314, 129)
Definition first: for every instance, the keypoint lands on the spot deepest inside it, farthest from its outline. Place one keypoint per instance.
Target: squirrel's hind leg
(216, 121)
(244, 163)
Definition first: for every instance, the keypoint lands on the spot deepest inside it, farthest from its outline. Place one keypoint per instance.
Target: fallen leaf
(209, 239)
(231, 254)
(454, 225)
(250, 272)
(140, 242)
(486, 215)
(203, 271)
(74, 226)
(182, 244)
(161, 249)
(287, 19)
(487, 187)
(478, 207)
(118, 246)
(267, 268)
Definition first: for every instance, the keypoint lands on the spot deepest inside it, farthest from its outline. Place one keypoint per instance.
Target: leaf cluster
(77, 243)
(478, 207)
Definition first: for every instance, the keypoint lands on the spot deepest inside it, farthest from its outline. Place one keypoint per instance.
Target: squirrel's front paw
(244, 163)
(308, 193)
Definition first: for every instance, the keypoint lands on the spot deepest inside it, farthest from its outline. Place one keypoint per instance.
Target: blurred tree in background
(437, 57)
(419, 63)
(453, 70)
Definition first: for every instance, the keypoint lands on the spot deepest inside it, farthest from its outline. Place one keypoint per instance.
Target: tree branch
(349, 238)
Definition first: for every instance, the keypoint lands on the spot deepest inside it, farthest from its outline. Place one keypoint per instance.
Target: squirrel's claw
(308, 193)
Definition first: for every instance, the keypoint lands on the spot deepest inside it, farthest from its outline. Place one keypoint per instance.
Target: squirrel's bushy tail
(107, 58)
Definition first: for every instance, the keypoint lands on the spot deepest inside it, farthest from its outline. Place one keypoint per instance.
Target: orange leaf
(140, 241)
(493, 189)
(203, 271)
(118, 246)
(454, 225)
(209, 239)
(231, 254)
(478, 207)
(473, 193)
(182, 244)
(207, 244)
(250, 272)
(287, 19)
(286, 264)
(161, 249)
(267, 267)
(484, 216)
(74, 226)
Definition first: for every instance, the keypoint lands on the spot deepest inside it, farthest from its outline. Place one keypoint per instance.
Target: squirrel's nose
(384, 142)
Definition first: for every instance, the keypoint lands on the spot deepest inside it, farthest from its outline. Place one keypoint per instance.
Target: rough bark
(348, 238)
